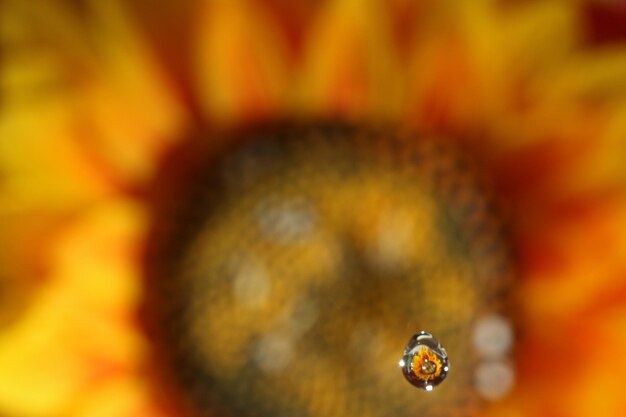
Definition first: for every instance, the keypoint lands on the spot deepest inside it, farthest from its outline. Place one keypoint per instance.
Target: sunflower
(97, 95)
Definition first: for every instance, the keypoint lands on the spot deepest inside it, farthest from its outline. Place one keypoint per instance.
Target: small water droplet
(424, 362)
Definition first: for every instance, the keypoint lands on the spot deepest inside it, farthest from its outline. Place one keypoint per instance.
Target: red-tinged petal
(573, 255)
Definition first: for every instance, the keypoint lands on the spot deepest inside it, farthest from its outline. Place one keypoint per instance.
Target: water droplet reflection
(425, 362)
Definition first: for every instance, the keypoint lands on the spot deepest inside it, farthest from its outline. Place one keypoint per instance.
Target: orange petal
(120, 397)
(351, 67)
(242, 66)
(574, 258)
(130, 111)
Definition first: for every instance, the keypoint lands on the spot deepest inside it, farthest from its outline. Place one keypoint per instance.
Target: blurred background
(248, 208)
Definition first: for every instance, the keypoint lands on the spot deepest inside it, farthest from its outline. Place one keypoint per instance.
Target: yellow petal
(241, 63)
(351, 67)
(594, 76)
(133, 108)
(97, 257)
(603, 164)
(471, 61)
(116, 102)
(78, 329)
(44, 163)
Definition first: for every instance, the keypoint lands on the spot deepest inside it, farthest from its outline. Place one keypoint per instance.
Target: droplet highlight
(425, 362)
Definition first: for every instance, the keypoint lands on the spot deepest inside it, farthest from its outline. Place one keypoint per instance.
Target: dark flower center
(294, 265)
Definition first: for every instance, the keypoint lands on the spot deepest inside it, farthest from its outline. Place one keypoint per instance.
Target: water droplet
(424, 362)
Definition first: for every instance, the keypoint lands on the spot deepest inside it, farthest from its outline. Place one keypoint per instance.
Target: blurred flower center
(304, 257)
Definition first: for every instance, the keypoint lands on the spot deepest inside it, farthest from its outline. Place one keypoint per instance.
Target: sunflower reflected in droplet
(425, 362)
